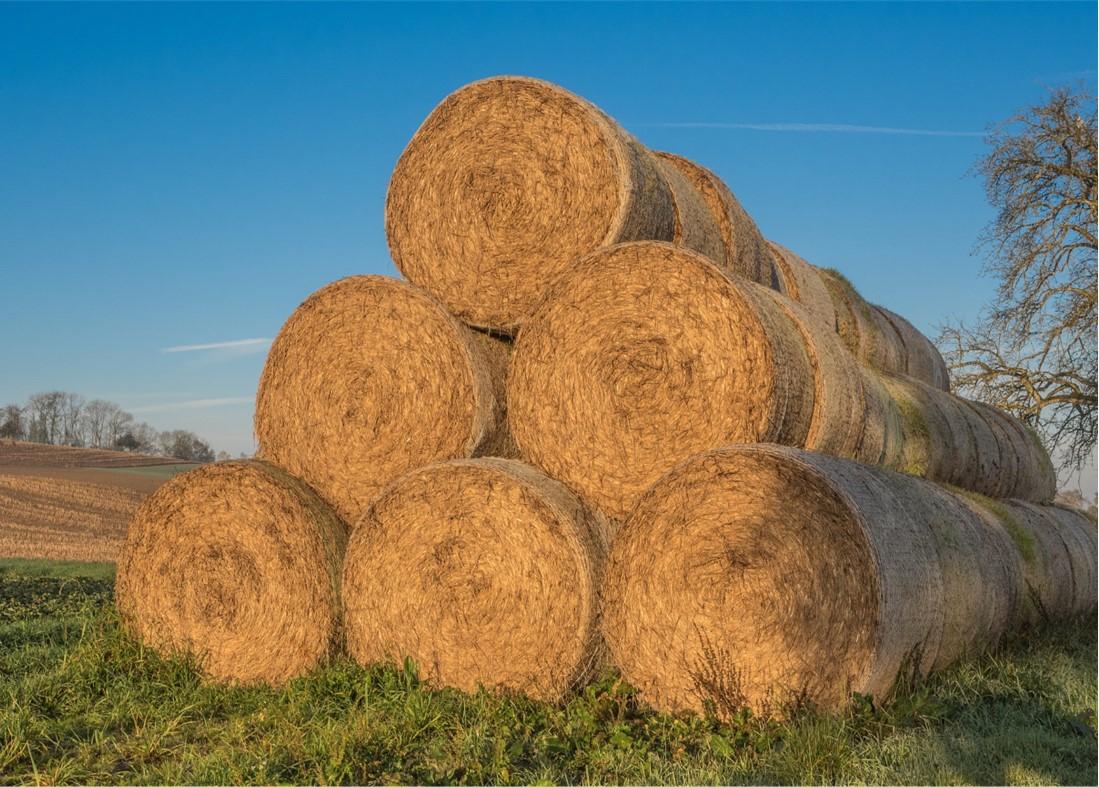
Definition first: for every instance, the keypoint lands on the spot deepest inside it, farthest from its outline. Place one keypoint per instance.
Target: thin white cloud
(257, 344)
(193, 404)
(840, 128)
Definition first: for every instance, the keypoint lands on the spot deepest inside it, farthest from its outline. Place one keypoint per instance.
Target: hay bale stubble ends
(369, 378)
(236, 564)
(484, 572)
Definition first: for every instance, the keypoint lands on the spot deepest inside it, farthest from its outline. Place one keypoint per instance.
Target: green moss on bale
(1024, 541)
(915, 427)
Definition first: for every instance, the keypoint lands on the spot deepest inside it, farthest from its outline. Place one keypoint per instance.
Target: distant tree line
(63, 418)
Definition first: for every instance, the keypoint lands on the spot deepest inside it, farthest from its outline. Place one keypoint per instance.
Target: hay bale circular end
(369, 378)
(610, 373)
(506, 182)
(483, 572)
(716, 594)
(237, 564)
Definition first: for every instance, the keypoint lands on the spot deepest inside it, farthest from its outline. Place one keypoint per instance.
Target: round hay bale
(852, 312)
(929, 446)
(887, 351)
(507, 182)
(1036, 479)
(839, 401)
(866, 332)
(1046, 591)
(369, 378)
(484, 572)
(1004, 481)
(1077, 532)
(695, 224)
(922, 359)
(988, 463)
(237, 564)
(799, 280)
(756, 575)
(882, 441)
(963, 449)
(980, 573)
(644, 354)
(745, 252)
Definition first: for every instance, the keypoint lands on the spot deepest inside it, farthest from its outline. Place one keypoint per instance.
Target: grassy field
(83, 703)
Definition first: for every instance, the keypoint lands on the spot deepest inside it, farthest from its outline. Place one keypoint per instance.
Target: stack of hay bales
(603, 420)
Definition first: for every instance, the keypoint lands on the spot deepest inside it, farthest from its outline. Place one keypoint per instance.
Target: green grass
(81, 702)
(59, 569)
(156, 471)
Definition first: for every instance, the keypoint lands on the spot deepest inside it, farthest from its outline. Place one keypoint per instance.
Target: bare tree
(118, 423)
(1033, 350)
(96, 416)
(185, 445)
(45, 409)
(72, 425)
(11, 422)
(147, 438)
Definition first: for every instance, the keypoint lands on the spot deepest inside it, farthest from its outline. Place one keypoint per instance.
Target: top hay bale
(744, 251)
(507, 182)
(880, 338)
(695, 224)
(797, 279)
(369, 378)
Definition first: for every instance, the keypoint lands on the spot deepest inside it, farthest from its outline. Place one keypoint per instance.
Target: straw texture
(485, 572)
(506, 182)
(642, 355)
(495, 352)
(883, 429)
(799, 280)
(696, 226)
(922, 359)
(237, 564)
(981, 576)
(1078, 533)
(880, 338)
(371, 377)
(745, 252)
(1043, 556)
(758, 575)
(839, 396)
(969, 444)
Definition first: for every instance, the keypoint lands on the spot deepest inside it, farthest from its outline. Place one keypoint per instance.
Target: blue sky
(175, 175)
